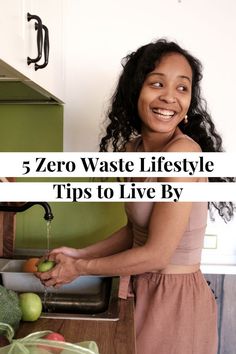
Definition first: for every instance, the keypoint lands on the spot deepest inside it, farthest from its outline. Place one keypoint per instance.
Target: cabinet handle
(39, 29)
(46, 50)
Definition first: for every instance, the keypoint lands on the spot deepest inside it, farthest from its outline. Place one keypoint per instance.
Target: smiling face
(166, 94)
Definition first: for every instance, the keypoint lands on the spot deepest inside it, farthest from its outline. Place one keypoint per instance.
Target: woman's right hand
(64, 270)
(67, 251)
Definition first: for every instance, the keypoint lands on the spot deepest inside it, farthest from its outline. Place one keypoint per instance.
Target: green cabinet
(34, 128)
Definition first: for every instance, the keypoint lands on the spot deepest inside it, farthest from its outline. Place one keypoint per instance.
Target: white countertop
(218, 268)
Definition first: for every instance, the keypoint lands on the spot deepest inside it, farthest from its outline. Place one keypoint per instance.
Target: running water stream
(46, 294)
(48, 235)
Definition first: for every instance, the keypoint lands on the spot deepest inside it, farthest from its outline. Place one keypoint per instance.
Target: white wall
(99, 33)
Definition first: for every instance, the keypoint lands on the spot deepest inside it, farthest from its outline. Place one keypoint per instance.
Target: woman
(157, 107)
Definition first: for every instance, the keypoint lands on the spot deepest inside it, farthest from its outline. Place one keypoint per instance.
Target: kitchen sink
(87, 297)
(104, 307)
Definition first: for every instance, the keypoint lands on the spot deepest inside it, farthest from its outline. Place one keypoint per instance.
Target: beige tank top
(190, 247)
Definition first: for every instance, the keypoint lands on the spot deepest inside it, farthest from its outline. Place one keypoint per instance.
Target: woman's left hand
(63, 272)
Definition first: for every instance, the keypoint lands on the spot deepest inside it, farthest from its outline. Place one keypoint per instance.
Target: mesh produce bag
(35, 344)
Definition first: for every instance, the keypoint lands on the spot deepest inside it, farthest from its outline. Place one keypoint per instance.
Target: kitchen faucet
(19, 208)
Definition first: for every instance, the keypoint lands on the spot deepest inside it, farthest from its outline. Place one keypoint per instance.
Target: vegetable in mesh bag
(35, 344)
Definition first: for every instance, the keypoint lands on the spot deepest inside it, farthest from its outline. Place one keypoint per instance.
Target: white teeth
(163, 112)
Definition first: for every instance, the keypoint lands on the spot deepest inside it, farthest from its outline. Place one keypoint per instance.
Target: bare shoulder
(183, 143)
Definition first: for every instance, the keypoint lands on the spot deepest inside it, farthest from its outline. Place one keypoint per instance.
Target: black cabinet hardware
(46, 50)
(42, 42)
(39, 29)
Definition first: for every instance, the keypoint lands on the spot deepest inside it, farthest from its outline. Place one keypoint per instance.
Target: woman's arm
(166, 227)
(167, 224)
(119, 241)
(3, 179)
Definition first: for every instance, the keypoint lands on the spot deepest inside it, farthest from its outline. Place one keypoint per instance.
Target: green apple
(31, 306)
(45, 266)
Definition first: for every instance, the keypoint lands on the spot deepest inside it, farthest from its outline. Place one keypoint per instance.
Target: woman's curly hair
(123, 118)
